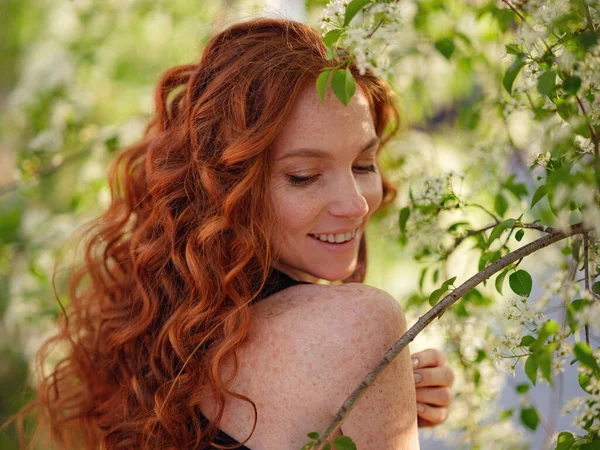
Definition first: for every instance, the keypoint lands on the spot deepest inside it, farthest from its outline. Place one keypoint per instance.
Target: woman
(196, 316)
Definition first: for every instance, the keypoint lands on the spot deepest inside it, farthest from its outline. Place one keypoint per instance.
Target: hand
(433, 388)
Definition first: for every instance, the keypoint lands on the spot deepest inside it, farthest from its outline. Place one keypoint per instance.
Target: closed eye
(363, 169)
(296, 180)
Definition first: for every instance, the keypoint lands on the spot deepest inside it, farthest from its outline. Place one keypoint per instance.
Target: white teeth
(335, 238)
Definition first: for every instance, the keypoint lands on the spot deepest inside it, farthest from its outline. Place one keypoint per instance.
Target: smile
(338, 238)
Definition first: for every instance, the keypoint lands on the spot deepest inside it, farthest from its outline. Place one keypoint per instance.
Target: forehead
(329, 125)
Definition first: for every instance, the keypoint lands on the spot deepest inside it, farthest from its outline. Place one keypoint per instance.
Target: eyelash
(303, 181)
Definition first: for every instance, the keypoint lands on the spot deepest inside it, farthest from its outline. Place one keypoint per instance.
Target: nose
(348, 200)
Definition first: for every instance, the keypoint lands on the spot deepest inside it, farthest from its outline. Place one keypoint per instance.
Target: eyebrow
(319, 153)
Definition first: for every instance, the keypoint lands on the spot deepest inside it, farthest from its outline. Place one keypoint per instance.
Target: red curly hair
(170, 269)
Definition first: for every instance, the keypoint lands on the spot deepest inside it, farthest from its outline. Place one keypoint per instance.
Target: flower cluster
(371, 38)
(586, 409)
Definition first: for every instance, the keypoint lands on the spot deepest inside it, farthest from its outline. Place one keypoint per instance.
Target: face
(325, 186)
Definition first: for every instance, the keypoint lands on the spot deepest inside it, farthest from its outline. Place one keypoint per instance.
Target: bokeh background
(76, 83)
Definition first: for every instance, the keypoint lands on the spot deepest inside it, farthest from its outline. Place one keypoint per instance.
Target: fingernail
(420, 407)
(418, 377)
(415, 362)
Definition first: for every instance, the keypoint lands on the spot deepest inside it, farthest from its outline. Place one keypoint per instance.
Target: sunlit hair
(162, 297)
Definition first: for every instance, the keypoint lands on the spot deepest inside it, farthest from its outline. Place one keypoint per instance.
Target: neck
(298, 275)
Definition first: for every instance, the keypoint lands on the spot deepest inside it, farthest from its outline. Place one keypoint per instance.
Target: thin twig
(592, 131)
(586, 277)
(434, 312)
(492, 215)
(525, 22)
(471, 233)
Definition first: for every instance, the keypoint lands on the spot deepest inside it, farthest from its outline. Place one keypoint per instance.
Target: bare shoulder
(334, 334)
(324, 306)
(308, 347)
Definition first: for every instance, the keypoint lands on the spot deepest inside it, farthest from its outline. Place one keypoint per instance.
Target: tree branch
(427, 318)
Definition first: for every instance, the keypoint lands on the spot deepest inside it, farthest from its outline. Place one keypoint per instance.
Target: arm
(385, 417)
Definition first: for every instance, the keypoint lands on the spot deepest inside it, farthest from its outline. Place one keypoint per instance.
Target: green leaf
(506, 414)
(488, 258)
(546, 82)
(509, 223)
(480, 355)
(343, 85)
(572, 84)
(449, 282)
(112, 143)
(519, 190)
(565, 109)
(403, 218)
(550, 328)
(327, 446)
(332, 37)
(496, 232)
(596, 287)
(512, 72)
(564, 441)
(435, 296)
(585, 356)
(353, 9)
(531, 367)
(445, 47)
(544, 360)
(330, 53)
(313, 435)
(526, 341)
(529, 418)
(584, 382)
(594, 445)
(513, 49)
(500, 281)
(500, 204)
(575, 306)
(522, 388)
(519, 235)
(457, 225)
(520, 282)
(539, 193)
(322, 81)
(344, 443)
(588, 38)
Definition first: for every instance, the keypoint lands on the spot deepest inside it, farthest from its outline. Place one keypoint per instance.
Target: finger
(439, 396)
(429, 358)
(432, 414)
(434, 376)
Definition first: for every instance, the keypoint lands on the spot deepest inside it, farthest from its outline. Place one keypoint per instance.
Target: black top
(276, 281)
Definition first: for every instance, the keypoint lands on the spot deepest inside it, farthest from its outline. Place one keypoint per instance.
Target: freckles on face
(324, 185)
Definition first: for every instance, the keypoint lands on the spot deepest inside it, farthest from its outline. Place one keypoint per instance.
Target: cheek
(294, 209)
